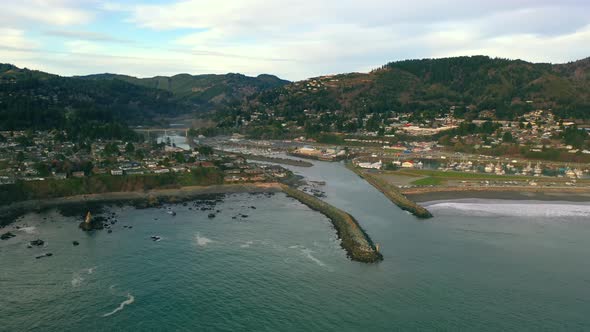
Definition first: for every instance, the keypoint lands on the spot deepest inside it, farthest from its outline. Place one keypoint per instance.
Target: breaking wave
(28, 230)
(202, 241)
(77, 280)
(130, 299)
(307, 253)
(247, 244)
(491, 208)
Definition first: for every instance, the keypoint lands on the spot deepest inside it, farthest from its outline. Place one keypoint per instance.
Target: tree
(205, 150)
(507, 137)
(129, 148)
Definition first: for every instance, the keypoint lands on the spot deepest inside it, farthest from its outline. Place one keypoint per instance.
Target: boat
(172, 213)
(156, 238)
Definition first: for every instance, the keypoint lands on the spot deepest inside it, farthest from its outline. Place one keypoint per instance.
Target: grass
(429, 181)
(462, 175)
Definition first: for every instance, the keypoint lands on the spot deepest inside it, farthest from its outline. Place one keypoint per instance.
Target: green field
(463, 175)
(429, 181)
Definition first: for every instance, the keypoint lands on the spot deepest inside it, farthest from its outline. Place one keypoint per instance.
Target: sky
(293, 39)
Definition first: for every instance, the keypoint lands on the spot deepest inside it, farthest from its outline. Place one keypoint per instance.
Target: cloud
(48, 12)
(86, 35)
(295, 39)
(327, 36)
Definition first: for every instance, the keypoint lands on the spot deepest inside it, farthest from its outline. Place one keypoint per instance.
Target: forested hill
(37, 100)
(103, 104)
(204, 92)
(472, 84)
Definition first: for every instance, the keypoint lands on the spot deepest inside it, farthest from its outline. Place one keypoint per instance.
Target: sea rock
(37, 242)
(75, 243)
(7, 236)
(96, 223)
(211, 215)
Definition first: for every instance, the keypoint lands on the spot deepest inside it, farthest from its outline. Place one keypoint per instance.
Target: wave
(130, 299)
(247, 244)
(28, 230)
(77, 276)
(308, 254)
(77, 280)
(202, 241)
(490, 208)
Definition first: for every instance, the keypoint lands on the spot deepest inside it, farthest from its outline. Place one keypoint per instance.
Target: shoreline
(139, 198)
(353, 239)
(393, 193)
(507, 193)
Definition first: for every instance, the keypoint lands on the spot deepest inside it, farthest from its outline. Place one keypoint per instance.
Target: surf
(130, 300)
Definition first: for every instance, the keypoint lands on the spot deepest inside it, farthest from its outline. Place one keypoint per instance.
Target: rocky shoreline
(354, 240)
(79, 205)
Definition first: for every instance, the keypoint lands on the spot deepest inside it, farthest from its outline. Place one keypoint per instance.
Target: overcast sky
(293, 39)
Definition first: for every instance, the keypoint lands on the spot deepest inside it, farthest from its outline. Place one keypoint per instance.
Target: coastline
(507, 193)
(393, 193)
(353, 239)
(140, 198)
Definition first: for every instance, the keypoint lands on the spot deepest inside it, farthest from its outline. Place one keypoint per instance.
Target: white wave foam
(28, 230)
(77, 280)
(518, 209)
(130, 299)
(308, 254)
(247, 244)
(202, 241)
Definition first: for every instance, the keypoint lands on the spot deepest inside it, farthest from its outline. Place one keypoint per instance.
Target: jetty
(354, 239)
(393, 193)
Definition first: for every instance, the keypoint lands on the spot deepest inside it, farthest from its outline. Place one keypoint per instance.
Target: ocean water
(478, 265)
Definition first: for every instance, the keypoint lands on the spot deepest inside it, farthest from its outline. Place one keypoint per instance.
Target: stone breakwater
(354, 240)
(394, 194)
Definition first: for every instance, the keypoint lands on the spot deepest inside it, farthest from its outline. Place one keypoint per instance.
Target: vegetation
(428, 181)
(50, 188)
(424, 88)
(202, 92)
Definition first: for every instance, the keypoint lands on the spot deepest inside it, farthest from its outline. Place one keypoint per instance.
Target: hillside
(106, 103)
(472, 84)
(204, 92)
(37, 100)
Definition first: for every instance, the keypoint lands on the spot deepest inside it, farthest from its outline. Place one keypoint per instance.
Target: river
(477, 265)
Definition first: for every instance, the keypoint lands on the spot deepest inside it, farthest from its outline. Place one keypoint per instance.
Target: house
(78, 174)
(117, 172)
(407, 164)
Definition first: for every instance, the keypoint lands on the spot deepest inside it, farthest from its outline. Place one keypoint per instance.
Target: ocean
(478, 265)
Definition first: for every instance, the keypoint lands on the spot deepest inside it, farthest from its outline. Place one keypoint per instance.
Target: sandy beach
(507, 193)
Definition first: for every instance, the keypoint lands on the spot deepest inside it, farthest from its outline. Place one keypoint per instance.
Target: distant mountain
(472, 84)
(204, 92)
(32, 99)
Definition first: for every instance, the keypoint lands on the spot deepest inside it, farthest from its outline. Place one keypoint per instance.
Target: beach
(506, 193)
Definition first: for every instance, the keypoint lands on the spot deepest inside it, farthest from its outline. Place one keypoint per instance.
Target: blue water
(477, 266)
